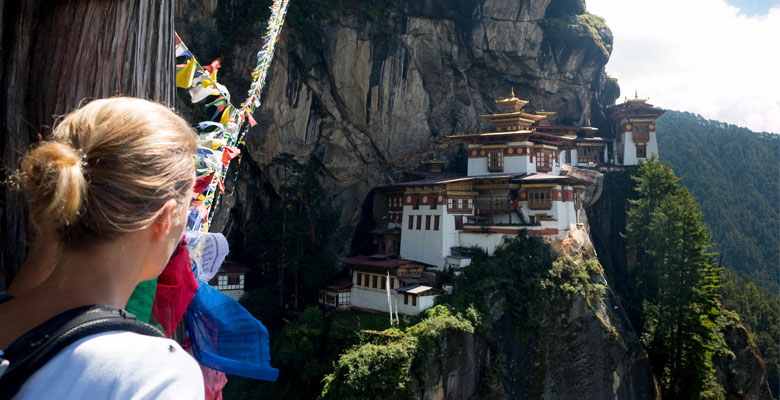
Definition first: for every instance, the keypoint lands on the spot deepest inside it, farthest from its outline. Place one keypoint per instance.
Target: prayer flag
(184, 77)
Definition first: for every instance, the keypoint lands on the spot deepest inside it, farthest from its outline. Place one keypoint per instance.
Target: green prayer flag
(141, 300)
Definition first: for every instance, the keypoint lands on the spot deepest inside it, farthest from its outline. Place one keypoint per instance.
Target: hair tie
(84, 162)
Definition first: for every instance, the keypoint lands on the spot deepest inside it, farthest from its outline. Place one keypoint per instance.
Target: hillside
(733, 172)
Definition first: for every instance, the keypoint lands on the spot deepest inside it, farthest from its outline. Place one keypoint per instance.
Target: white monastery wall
(629, 149)
(478, 166)
(426, 245)
(652, 145)
(367, 298)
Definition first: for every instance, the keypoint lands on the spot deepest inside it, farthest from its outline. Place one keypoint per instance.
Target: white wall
(369, 298)
(477, 166)
(427, 246)
(629, 149)
(652, 146)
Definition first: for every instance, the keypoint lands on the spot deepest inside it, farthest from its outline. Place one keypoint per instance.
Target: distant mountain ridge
(735, 175)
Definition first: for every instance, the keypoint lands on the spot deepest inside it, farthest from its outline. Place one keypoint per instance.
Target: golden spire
(512, 92)
(636, 94)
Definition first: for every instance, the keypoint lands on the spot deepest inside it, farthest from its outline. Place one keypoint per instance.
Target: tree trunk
(56, 54)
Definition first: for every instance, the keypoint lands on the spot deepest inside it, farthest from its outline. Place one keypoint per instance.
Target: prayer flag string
(221, 138)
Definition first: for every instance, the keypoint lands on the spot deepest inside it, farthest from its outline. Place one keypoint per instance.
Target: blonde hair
(108, 169)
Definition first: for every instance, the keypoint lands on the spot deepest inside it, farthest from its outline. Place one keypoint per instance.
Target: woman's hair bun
(53, 180)
(139, 156)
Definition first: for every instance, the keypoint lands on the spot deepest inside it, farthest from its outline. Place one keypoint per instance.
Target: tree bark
(54, 55)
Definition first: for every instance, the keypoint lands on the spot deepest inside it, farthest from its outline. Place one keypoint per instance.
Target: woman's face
(170, 240)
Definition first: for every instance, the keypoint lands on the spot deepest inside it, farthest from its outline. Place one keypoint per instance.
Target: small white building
(230, 280)
(374, 276)
(337, 295)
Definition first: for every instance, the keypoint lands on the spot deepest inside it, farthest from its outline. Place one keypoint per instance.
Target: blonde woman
(114, 184)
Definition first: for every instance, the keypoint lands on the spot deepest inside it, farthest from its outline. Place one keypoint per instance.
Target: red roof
(340, 285)
(376, 261)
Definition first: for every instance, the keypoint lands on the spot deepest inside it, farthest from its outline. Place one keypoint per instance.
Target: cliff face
(372, 95)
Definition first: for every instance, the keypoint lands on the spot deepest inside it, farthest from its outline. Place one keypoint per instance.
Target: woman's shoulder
(118, 365)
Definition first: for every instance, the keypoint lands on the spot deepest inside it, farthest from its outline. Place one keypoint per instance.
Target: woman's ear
(164, 221)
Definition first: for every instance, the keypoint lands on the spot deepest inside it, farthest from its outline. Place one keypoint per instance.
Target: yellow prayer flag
(185, 75)
(226, 115)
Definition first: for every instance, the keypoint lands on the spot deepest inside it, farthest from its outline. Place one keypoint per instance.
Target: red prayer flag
(249, 118)
(201, 184)
(229, 153)
(216, 64)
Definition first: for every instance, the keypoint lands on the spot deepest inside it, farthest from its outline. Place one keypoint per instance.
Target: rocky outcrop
(369, 96)
(740, 369)
(583, 348)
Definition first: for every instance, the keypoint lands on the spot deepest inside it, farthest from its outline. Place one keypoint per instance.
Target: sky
(717, 58)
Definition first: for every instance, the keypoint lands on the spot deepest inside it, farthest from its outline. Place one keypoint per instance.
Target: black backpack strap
(35, 348)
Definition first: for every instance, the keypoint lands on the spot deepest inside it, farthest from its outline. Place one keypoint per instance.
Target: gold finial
(636, 94)
(513, 92)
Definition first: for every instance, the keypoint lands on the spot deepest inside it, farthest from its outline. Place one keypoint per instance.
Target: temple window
(496, 160)
(419, 222)
(427, 222)
(544, 159)
(359, 279)
(589, 154)
(458, 222)
(436, 223)
(411, 222)
(641, 151)
(540, 199)
(641, 132)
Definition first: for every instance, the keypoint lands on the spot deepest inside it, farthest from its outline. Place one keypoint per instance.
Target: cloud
(702, 56)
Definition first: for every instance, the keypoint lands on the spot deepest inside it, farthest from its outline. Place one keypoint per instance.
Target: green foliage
(598, 30)
(524, 273)
(287, 244)
(733, 172)
(679, 281)
(516, 271)
(392, 368)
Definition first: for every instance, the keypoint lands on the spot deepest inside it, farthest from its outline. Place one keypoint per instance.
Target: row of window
(373, 281)
(427, 222)
(459, 204)
(589, 154)
(540, 200)
(395, 203)
(544, 160)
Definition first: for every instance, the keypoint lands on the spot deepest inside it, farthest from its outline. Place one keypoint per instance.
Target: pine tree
(677, 280)
(653, 182)
(680, 328)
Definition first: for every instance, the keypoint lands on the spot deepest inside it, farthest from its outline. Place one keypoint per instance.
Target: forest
(733, 173)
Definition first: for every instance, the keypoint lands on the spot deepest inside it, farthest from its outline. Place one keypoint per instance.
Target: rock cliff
(378, 87)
